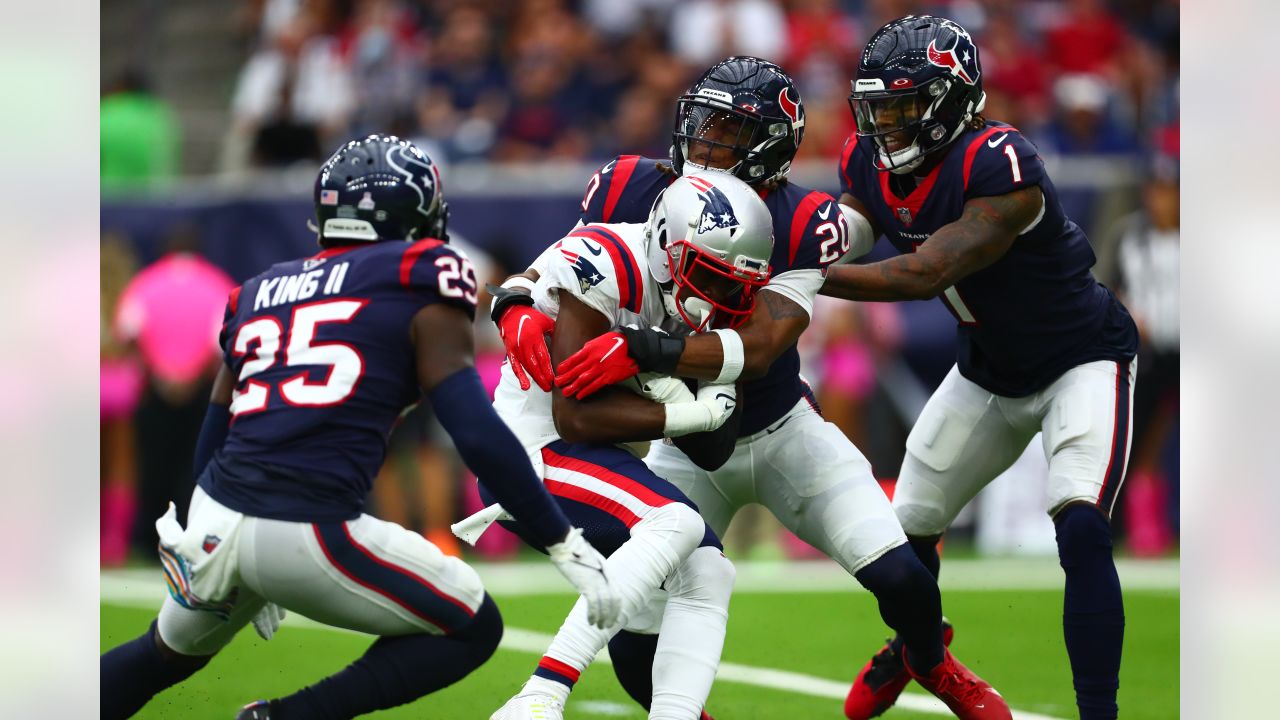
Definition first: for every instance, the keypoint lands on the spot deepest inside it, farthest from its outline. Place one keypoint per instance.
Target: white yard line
(144, 588)
(539, 578)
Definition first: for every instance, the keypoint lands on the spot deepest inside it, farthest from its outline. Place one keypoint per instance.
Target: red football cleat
(882, 680)
(969, 696)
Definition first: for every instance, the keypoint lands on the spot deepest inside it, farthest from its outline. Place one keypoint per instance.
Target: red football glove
(523, 330)
(602, 361)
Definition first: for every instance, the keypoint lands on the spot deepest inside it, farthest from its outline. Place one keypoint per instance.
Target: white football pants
(966, 436)
(365, 574)
(808, 474)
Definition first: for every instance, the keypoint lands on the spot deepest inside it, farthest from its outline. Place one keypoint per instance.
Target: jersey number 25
(345, 366)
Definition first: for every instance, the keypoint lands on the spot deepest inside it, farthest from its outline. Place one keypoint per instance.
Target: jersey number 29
(345, 366)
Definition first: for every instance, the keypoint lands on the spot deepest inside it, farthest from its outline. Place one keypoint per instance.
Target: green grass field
(1012, 637)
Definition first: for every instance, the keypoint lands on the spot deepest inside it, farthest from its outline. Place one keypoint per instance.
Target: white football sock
(659, 544)
(692, 636)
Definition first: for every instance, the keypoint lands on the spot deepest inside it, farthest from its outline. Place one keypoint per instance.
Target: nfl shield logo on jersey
(904, 215)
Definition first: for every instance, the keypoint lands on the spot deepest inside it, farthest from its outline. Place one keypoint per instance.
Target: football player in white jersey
(694, 266)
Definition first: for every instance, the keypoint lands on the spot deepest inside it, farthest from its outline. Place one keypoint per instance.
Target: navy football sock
(909, 603)
(396, 670)
(632, 655)
(133, 673)
(1093, 609)
(927, 550)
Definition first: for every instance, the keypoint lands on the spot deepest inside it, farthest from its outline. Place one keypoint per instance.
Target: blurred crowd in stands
(529, 80)
(513, 80)
(505, 81)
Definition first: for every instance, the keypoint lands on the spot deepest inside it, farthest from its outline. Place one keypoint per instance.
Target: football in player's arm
(593, 419)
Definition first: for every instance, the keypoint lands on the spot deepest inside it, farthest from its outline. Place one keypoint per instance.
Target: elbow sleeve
(861, 236)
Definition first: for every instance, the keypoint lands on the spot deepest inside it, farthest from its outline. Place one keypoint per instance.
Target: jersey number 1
(1013, 163)
(345, 366)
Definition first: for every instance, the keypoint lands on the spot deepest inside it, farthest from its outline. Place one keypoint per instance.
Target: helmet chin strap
(694, 311)
(698, 311)
(691, 166)
(906, 167)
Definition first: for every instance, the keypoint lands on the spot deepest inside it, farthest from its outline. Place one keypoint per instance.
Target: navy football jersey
(324, 364)
(1037, 311)
(808, 234)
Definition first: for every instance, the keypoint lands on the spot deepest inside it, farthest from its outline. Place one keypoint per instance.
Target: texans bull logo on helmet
(717, 211)
(792, 108)
(425, 181)
(961, 58)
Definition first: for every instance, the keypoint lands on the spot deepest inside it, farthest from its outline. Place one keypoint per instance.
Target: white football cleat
(530, 706)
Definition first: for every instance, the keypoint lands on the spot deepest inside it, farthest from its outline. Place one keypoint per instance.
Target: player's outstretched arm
(776, 325)
(617, 415)
(217, 420)
(982, 235)
(444, 347)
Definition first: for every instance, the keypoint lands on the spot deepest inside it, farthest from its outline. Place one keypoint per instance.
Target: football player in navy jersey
(1043, 347)
(745, 116)
(322, 356)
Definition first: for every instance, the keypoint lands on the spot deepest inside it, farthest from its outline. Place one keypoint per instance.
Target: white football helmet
(710, 238)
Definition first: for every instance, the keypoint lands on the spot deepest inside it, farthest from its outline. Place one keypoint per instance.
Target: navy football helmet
(380, 188)
(746, 114)
(919, 84)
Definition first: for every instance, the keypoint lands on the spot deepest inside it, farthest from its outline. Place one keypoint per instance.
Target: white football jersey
(605, 267)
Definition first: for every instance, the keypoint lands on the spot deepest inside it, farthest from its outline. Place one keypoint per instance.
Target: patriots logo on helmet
(717, 211)
(588, 275)
(961, 59)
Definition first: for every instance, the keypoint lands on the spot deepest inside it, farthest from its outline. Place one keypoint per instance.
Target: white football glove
(711, 408)
(662, 388)
(268, 620)
(583, 567)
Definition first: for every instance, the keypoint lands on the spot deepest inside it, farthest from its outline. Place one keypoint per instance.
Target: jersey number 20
(345, 366)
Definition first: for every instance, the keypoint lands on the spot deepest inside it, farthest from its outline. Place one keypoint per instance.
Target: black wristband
(653, 350)
(504, 297)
